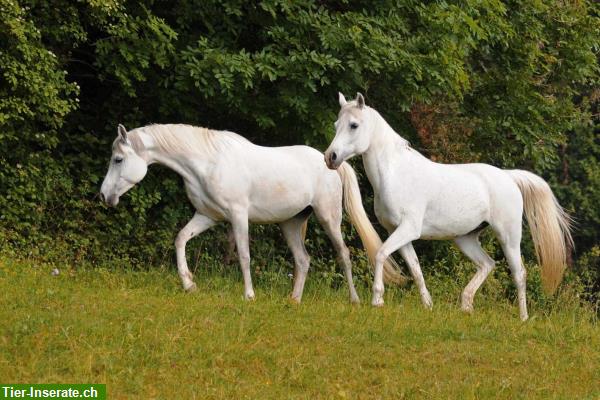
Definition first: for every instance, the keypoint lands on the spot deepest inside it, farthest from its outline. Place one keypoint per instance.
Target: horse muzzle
(111, 200)
(332, 160)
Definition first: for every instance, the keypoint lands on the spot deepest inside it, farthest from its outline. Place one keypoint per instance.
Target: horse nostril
(333, 156)
(102, 197)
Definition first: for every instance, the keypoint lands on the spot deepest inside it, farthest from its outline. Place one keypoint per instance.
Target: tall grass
(140, 334)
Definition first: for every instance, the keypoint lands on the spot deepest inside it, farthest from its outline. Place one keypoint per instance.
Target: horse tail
(549, 224)
(360, 221)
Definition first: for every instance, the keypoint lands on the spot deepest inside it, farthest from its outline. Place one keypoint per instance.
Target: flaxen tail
(360, 221)
(549, 224)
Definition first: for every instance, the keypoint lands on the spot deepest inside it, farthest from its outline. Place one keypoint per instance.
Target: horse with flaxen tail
(228, 178)
(416, 198)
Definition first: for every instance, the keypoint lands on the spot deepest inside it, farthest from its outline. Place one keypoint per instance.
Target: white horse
(228, 178)
(416, 198)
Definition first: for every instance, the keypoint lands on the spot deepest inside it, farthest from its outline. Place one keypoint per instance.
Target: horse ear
(122, 133)
(360, 100)
(341, 99)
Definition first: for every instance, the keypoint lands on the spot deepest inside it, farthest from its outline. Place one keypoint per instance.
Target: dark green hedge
(513, 83)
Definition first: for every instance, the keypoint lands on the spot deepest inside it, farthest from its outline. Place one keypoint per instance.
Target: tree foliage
(513, 83)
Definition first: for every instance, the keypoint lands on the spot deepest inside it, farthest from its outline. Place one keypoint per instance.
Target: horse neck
(386, 145)
(187, 167)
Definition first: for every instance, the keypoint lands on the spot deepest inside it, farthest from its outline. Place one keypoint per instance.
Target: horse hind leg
(293, 232)
(239, 224)
(330, 218)
(510, 239)
(471, 248)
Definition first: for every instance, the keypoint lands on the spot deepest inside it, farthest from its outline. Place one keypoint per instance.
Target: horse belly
(455, 215)
(278, 201)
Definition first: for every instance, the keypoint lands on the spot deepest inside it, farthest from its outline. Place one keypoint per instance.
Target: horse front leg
(400, 237)
(239, 224)
(198, 224)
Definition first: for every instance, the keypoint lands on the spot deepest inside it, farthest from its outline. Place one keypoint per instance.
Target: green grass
(142, 336)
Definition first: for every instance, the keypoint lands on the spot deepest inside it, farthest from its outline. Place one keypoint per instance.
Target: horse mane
(352, 108)
(181, 139)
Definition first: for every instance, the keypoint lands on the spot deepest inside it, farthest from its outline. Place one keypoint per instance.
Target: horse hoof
(192, 288)
(378, 302)
(354, 300)
(427, 302)
(466, 304)
(294, 300)
(249, 297)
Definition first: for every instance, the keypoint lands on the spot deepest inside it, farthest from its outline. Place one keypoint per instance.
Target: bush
(510, 83)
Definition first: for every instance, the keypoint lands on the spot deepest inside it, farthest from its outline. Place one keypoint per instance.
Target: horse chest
(203, 201)
(389, 209)
(397, 188)
(393, 193)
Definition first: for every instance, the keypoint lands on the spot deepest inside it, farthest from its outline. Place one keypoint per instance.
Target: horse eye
(118, 160)
(353, 125)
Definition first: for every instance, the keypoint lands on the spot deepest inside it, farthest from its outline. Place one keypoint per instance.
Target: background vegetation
(512, 83)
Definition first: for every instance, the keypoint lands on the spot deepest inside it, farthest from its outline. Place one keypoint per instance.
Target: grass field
(142, 336)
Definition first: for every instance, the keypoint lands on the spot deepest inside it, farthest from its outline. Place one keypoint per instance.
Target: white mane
(185, 139)
(353, 108)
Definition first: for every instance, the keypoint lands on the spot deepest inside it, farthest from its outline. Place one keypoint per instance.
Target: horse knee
(343, 253)
(244, 259)
(307, 261)
(303, 263)
(520, 275)
(488, 266)
(180, 240)
(381, 257)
